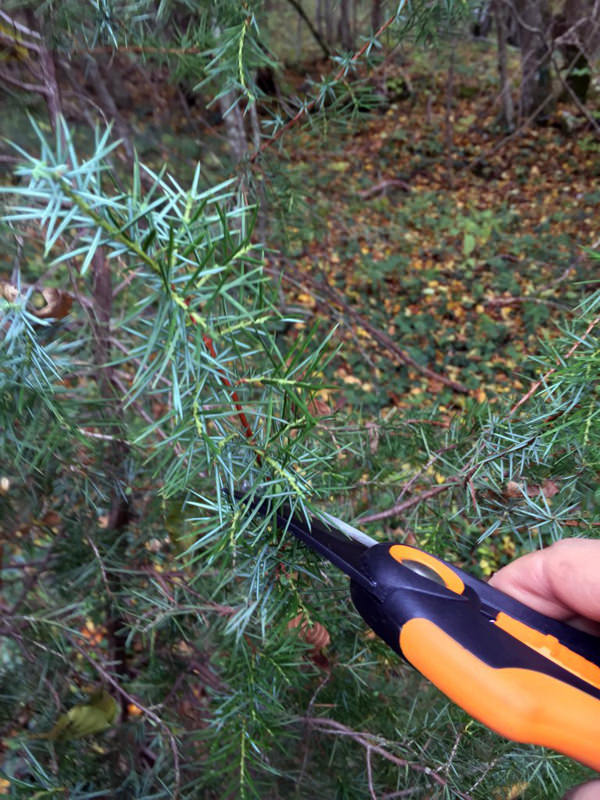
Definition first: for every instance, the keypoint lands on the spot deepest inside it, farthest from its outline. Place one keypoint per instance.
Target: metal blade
(330, 542)
(349, 530)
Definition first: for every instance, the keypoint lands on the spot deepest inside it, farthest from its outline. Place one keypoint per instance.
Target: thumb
(585, 791)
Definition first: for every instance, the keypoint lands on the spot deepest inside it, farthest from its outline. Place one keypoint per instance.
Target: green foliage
(126, 427)
(221, 619)
(196, 324)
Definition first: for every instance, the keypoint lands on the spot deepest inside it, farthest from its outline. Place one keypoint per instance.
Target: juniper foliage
(129, 568)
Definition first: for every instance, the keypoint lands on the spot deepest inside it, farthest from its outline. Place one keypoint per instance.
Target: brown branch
(388, 183)
(465, 476)
(592, 122)
(144, 50)
(126, 698)
(413, 501)
(18, 26)
(467, 473)
(249, 433)
(501, 302)
(372, 744)
(118, 449)
(38, 88)
(381, 337)
(17, 42)
(430, 462)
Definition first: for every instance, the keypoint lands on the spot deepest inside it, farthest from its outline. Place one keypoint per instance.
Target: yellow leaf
(306, 299)
(86, 719)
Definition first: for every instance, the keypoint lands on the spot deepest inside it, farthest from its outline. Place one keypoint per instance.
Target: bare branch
(373, 745)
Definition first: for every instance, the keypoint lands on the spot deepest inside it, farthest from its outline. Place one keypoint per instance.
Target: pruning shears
(524, 675)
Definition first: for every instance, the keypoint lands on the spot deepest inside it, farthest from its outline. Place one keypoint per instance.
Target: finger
(561, 581)
(586, 791)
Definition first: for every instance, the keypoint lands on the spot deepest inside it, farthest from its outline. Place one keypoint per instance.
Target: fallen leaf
(85, 719)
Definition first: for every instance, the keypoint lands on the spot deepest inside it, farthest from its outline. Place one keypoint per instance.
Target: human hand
(563, 582)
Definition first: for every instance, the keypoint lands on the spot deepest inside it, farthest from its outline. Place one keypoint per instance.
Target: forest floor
(462, 244)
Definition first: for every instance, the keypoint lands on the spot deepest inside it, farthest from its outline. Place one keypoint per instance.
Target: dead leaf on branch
(548, 488)
(513, 489)
(45, 303)
(315, 635)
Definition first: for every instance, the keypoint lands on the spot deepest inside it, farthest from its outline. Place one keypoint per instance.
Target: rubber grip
(521, 704)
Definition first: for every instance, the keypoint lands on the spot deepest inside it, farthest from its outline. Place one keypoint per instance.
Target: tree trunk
(534, 23)
(577, 33)
(328, 12)
(320, 18)
(46, 74)
(376, 15)
(508, 112)
(345, 27)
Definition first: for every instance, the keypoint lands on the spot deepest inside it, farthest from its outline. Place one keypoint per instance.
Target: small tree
(158, 641)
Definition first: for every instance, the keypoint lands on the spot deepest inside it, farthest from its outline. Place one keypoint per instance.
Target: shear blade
(338, 542)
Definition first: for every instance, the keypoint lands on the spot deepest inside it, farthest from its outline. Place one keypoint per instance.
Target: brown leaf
(45, 303)
(51, 303)
(550, 488)
(373, 435)
(319, 408)
(8, 292)
(513, 489)
(51, 519)
(316, 634)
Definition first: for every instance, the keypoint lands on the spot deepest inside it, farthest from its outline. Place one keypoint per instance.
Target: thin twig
(308, 107)
(38, 88)
(431, 460)
(535, 386)
(502, 302)
(248, 432)
(385, 340)
(398, 508)
(306, 737)
(383, 185)
(575, 99)
(144, 709)
(370, 773)
(371, 742)
(315, 33)
(18, 26)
